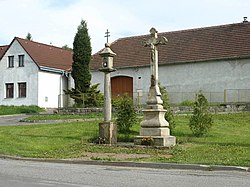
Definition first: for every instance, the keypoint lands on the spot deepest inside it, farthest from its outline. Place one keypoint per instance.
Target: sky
(55, 21)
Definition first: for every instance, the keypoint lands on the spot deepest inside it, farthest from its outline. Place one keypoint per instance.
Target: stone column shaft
(107, 97)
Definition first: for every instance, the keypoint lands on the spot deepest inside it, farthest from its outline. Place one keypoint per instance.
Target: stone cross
(152, 43)
(154, 96)
(107, 35)
(154, 125)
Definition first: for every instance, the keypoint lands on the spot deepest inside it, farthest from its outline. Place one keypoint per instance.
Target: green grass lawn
(228, 142)
(63, 117)
(7, 110)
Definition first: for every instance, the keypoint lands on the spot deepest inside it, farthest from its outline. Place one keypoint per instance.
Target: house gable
(47, 55)
(16, 74)
(44, 73)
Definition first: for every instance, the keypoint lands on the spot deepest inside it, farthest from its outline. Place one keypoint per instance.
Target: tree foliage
(169, 114)
(29, 37)
(92, 98)
(126, 114)
(201, 121)
(81, 59)
(67, 47)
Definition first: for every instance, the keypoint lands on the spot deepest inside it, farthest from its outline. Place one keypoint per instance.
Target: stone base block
(163, 131)
(166, 141)
(108, 132)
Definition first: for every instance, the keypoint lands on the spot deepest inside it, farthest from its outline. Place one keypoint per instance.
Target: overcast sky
(56, 21)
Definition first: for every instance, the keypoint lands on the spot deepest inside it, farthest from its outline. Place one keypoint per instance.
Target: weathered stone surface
(108, 132)
(107, 129)
(157, 140)
(154, 118)
(154, 124)
(156, 131)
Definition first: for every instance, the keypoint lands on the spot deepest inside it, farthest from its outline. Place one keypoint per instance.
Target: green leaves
(201, 121)
(92, 97)
(81, 57)
(126, 114)
(169, 114)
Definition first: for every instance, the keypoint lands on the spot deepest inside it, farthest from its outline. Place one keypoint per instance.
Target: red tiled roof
(47, 55)
(203, 44)
(3, 49)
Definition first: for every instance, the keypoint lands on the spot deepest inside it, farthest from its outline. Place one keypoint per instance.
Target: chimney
(245, 20)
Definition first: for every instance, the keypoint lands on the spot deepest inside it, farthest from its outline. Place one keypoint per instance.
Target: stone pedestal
(108, 132)
(160, 141)
(154, 126)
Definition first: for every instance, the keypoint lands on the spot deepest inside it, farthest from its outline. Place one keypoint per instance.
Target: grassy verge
(7, 110)
(63, 117)
(228, 142)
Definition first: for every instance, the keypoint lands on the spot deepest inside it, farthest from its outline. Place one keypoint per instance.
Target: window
(11, 61)
(9, 90)
(22, 89)
(21, 60)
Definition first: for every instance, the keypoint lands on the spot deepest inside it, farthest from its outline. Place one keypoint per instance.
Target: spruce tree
(201, 121)
(81, 58)
(29, 37)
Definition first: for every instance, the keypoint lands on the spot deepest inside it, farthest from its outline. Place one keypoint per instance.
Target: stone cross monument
(107, 129)
(154, 126)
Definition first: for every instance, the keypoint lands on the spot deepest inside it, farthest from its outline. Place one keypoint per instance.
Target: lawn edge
(135, 164)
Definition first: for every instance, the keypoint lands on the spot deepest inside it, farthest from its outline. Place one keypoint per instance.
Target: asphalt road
(15, 173)
(10, 120)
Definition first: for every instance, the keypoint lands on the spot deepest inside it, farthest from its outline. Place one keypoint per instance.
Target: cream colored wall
(184, 80)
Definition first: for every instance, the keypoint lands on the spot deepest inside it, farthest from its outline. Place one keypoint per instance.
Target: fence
(228, 96)
(237, 95)
(140, 97)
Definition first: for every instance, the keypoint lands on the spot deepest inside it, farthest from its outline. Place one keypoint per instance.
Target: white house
(214, 59)
(34, 74)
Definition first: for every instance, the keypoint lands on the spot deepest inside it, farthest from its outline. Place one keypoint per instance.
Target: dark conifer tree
(81, 57)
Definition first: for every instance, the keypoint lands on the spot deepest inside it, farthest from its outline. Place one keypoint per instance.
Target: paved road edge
(136, 164)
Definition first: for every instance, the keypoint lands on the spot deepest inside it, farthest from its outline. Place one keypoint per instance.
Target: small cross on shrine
(107, 35)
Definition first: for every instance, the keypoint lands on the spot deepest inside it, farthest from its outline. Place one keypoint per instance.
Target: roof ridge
(203, 28)
(4, 45)
(182, 30)
(39, 43)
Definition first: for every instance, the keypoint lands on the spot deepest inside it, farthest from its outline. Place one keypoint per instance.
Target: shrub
(169, 114)
(201, 121)
(126, 114)
(92, 98)
(187, 103)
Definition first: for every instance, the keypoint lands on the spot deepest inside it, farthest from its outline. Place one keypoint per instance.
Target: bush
(187, 103)
(169, 114)
(126, 114)
(201, 121)
(92, 98)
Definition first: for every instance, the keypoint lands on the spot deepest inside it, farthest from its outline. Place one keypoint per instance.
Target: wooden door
(121, 85)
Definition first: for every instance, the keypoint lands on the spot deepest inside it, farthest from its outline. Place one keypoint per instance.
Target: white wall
(28, 74)
(184, 80)
(71, 84)
(50, 87)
